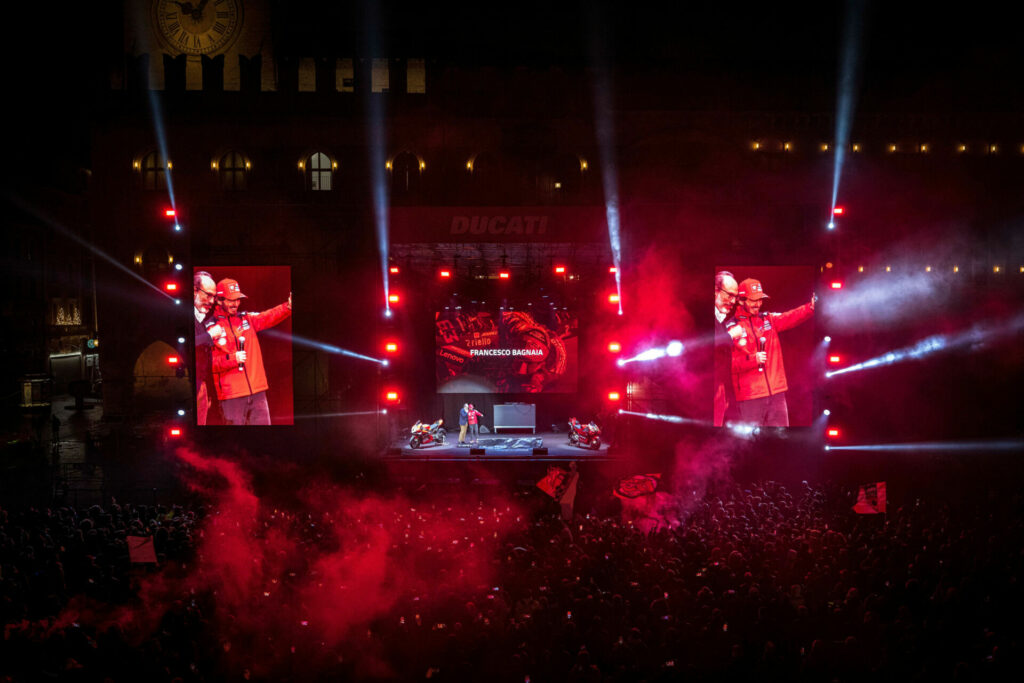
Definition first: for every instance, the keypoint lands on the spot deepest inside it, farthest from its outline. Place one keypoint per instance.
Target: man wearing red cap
(238, 370)
(758, 374)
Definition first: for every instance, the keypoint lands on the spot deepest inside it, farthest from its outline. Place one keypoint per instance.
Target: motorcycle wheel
(596, 443)
(414, 442)
(442, 435)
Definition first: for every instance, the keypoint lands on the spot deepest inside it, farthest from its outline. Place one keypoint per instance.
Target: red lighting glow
(613, 298)
(175, 431)
(391, 347)
(170, 213)
(393, 270)
(612, 269)
(614, 347)
(560, 270)
(613, 396)
(446, 273)
(171, 286)
(173, 360)
(833, 433)
(391, 396)
(835, 360)
(838, 211)
(393, 298)
(836, 284)
(504, 275)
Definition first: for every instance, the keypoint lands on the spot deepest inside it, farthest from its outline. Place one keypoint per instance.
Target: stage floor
(499, 447)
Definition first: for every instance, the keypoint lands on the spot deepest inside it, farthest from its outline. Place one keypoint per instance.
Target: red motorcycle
(423, 434)
(584, 435)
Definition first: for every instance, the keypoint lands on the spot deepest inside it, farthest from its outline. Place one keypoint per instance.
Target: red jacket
(747, 381)
(229, 380)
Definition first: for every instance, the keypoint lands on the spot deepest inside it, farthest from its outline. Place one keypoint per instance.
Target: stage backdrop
(264, 287)
(506, 352)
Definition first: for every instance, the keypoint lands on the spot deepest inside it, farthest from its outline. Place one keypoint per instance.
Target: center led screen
(506, 352)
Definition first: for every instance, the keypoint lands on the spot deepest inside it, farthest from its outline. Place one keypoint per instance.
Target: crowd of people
(759, 580)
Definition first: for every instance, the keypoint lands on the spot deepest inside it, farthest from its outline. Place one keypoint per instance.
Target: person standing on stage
(238, 370)
(463, 423)
(204, 295)
(726, 291)
(473, 417)
(758, 374)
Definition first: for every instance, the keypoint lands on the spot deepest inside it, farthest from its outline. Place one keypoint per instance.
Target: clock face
(198, 27)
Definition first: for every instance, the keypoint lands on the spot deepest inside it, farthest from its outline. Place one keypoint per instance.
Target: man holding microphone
(240, 378)
(758, 373)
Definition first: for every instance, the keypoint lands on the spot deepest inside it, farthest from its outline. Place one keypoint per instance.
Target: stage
(504, 447)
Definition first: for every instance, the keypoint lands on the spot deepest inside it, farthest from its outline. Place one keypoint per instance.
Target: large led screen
(765, 343)
(243, 351)
(506, 352)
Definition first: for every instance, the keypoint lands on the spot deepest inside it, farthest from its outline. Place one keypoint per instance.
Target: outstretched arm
(794, 317)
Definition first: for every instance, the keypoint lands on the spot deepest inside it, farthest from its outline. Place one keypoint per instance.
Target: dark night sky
(917, 58)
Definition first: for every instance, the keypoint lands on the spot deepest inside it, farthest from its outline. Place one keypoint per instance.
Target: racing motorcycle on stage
(584, 435)
(423, 434)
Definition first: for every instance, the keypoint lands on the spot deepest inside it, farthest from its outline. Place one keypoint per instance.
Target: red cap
(229, 289)
(751, 289)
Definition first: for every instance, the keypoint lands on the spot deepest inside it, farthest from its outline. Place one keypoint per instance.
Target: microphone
(241, 347)
(761, 341)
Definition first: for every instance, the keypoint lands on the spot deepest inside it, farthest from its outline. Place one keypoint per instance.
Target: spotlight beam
(356, 413)
(322, 346)
(605, 132)
(946, 446)
(674, 419)
(672, 350)
(377, 150)
(979, 334)
(65, 232)
(847, 91)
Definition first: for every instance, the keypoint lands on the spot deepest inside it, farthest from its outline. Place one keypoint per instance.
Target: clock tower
(200, 35)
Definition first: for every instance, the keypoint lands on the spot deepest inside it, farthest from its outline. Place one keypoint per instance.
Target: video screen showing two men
(764, 346)
(243, 353)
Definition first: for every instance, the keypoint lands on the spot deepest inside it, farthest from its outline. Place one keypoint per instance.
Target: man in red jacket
(238, 370)
(758, 374)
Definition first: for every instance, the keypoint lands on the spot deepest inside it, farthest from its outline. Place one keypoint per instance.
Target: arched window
(154, 172)
(405, 174)
(321, 170)
(233, 171)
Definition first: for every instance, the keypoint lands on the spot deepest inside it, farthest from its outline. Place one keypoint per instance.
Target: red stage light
(833, 433)
(446, 273)
(613, 298)
(504, 275)
(612, 269)
(613, 396)
(835, 360)
(171, 286)
(175, 431)
(173, 360)
(391, 396)
(393, 298)
(391, 347)
(836, 284)
(393, 270)
(614, 347)
(170, 213)
(838, 211)
(559, 270)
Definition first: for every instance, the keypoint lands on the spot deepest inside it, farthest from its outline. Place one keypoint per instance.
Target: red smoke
(304, 590)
